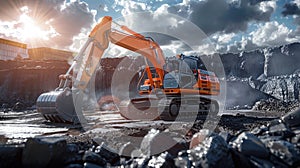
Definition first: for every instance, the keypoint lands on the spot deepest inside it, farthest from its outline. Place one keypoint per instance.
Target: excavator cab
(181, 72)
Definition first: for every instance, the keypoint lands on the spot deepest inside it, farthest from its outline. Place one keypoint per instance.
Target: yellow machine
(176, 82)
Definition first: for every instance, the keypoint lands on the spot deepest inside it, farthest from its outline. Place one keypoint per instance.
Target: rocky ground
(27, 140)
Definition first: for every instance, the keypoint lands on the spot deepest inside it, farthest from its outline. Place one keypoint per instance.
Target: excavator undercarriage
(171, 108)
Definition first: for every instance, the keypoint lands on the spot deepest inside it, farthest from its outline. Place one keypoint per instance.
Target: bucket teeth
(54, 118)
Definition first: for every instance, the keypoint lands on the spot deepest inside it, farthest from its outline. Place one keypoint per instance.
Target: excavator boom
(102, 35)
(85, 64)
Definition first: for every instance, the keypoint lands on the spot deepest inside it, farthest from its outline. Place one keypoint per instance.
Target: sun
(30, 30)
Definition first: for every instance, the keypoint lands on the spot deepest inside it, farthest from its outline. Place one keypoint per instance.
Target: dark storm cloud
(68, 19)
(291, 9)
(219, 15)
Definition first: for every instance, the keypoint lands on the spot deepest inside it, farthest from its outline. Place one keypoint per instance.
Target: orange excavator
(168, 88)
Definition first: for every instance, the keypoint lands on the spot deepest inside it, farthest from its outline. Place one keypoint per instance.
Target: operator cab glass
(191, 62)
(171, 65)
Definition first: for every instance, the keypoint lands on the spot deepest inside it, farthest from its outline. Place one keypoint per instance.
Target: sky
(223, 26)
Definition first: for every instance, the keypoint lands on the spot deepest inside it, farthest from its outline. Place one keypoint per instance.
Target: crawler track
(187, 108)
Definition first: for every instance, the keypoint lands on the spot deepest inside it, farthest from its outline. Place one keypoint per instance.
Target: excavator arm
(60, 105)
(98, 42)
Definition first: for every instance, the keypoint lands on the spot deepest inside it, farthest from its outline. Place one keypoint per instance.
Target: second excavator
(168, 87)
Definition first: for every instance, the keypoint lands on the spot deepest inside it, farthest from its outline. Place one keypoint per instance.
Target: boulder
(74, 166)
(258, 162)
(19, 106)
(91, 165)
(226, 136)
(138, 162)
(259, 130)
(11, 155)
(281, 130)
(248, 144)
(286, 151)
(292, 119)
(94, 158)
(240, 160)
(72, 148)
(44, 152)
(213, 151)
(164, 160)
(183, 160)
(199, 137)
(156, 142)
(127, 149)
(109, 154)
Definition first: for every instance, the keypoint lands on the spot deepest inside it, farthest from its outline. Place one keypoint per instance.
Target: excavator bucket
(57, 106)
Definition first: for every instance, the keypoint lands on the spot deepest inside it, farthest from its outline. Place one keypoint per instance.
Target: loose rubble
(274, 143)
(276, 105)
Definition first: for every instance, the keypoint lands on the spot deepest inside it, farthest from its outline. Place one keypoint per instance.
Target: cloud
(219, 15)
(223, 38)
(291, 9)
(74, 18)
(245, 44)
(217, 18)
(131, 6)
(272, 34)
(67, 19)
(268, 34)
(174, 48)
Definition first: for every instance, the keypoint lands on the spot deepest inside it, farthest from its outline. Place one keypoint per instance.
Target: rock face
(268, 61)
(273, 71)
(286, 55)
(24, 81)
(244, 64)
